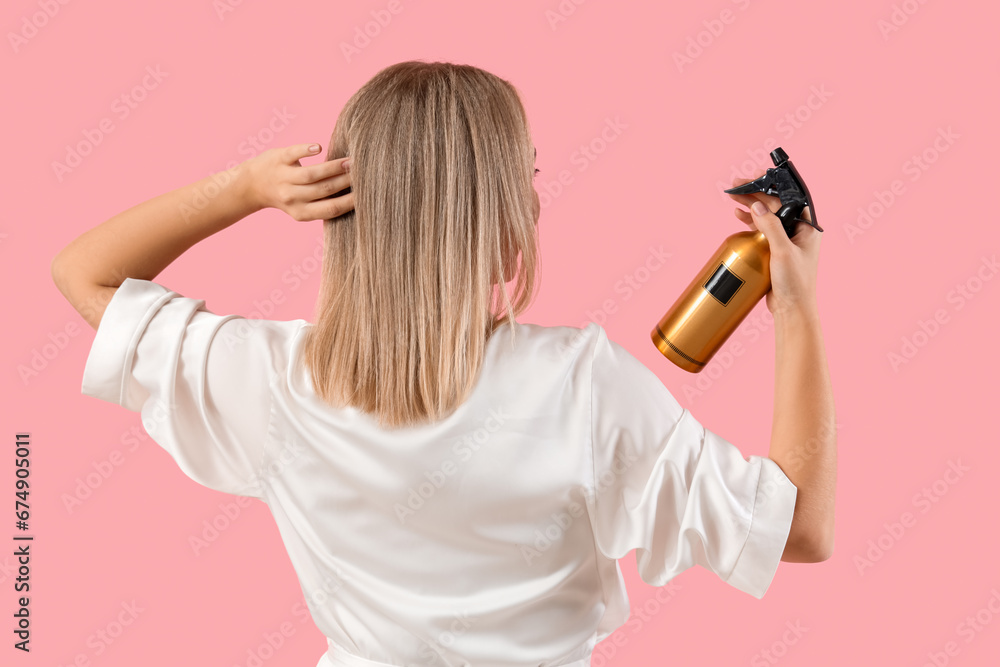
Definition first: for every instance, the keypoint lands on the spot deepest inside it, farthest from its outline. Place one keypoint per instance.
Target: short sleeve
(200, 380)
(677, 493)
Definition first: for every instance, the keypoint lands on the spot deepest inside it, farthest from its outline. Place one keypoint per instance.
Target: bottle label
(723, 284)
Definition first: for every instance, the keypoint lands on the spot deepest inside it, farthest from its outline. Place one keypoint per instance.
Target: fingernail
(314, 148)
(347, 164)
(758, 208)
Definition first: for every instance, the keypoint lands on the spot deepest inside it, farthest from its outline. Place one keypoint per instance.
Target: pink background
(851, 102)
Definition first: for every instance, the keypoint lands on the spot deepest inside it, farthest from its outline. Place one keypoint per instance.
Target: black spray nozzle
(784, 182)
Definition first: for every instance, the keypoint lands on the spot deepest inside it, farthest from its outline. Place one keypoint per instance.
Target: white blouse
(489, 538)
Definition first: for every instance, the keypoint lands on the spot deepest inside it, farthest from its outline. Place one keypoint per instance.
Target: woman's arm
(143, 240)
(803, 432)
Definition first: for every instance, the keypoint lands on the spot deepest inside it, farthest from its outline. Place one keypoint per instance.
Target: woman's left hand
(276, 179)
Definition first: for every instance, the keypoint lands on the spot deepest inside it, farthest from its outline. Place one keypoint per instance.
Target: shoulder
(274, 336)
(267, 347)
(559, 344)
(166, 317)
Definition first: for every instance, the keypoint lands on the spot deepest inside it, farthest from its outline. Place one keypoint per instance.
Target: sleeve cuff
(109, 363)
(770, 522)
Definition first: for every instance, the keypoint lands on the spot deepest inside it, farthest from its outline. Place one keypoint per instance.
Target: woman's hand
(793, 261)
(276, 179)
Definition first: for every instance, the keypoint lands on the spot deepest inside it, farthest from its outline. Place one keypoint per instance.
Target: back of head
(415, 278)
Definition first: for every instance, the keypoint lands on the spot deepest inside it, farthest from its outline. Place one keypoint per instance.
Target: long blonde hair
(414, 279)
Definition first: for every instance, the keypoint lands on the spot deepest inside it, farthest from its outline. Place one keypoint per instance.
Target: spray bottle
(736, 277)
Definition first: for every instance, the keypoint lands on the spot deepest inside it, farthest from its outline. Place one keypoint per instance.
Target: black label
(723, 284)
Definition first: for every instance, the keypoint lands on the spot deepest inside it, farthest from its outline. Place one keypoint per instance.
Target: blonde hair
(414, 279)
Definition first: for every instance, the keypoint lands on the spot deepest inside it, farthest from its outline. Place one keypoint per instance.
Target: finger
(772, 203)
(768, 223)
(744, 216)
(324, 188)
(317, 172)
(806, 236)
(294, 153)
(328, 208)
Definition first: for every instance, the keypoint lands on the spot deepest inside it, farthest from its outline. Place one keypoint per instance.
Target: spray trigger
(783, 181)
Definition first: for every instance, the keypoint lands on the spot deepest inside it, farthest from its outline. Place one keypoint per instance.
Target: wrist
(797, 315)
(245, 186)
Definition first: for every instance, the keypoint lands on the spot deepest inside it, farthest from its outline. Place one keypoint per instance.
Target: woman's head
(415, 278)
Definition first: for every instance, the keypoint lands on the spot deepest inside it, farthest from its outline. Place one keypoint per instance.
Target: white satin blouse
(490, 538)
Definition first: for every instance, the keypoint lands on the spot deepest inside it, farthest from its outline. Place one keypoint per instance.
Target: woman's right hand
(794, 261)
(276, 179)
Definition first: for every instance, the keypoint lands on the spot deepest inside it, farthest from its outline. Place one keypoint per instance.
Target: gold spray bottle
(734, 279)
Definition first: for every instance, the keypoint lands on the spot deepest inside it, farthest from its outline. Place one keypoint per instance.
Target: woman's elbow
(811, 546)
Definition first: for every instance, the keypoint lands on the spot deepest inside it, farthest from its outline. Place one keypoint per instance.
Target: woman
(453, 487)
